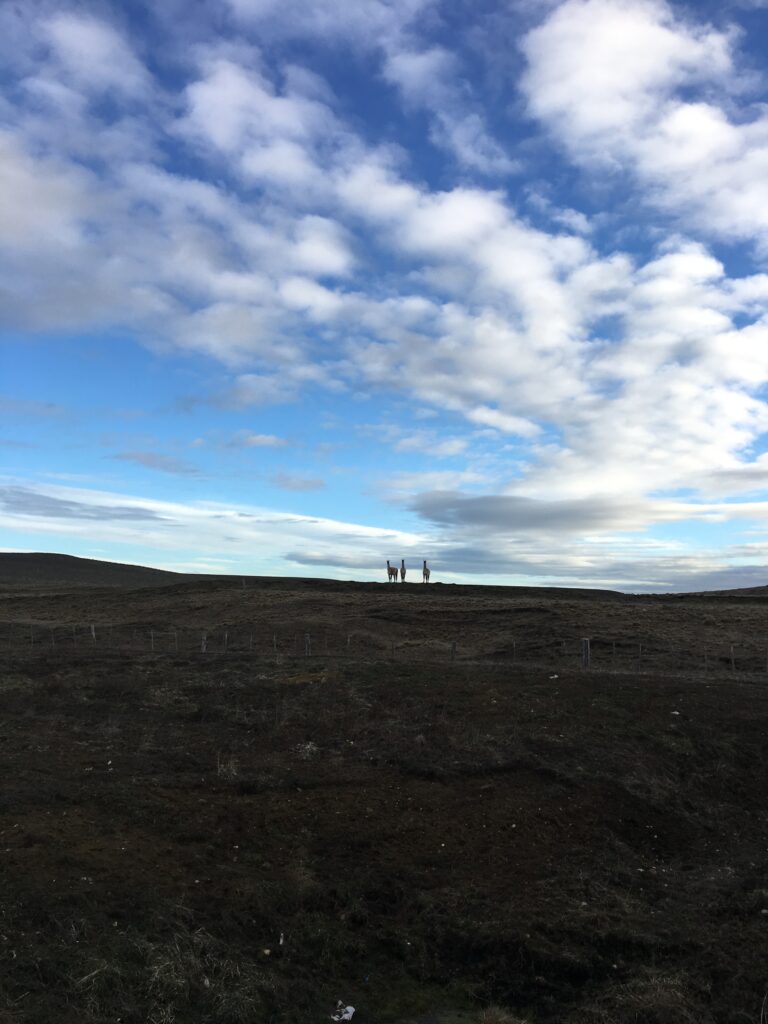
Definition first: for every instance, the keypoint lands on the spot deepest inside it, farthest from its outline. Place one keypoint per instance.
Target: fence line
(22, 640)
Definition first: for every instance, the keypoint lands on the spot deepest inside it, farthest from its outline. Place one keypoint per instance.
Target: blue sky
(297, 287)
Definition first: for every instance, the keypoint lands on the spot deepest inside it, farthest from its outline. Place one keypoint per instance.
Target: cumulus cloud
(637, 86)
(431, 79)
(94, 54)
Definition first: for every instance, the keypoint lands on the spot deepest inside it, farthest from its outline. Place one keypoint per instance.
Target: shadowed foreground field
(429, 839)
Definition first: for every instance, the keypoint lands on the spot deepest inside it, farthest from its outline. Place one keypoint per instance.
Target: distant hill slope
(27, 570)
(33, 569)
(36, 570)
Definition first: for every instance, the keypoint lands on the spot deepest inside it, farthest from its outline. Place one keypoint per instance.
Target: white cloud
(637, 87)
(278, 139)
(366, 22)
(42, 202)
(321, 247)
(180, 531)
(93, 54)
(247, 440)
(430, 79)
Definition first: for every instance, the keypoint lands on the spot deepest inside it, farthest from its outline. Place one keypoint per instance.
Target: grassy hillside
(36, 569)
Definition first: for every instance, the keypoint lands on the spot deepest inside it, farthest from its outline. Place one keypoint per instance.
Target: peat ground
(428, 836)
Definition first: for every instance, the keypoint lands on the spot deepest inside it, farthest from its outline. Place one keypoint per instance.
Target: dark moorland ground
(433, 830)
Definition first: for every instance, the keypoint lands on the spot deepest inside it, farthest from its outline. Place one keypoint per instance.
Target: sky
(293, 287)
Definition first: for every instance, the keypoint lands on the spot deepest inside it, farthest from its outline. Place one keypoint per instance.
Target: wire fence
(34, 640)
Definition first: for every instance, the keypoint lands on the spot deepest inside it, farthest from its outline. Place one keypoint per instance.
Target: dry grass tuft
(653, 997)
(500, 1015)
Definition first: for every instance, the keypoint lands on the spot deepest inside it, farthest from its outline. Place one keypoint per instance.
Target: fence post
(226, 641)
(176, 641)
(203, 643)
(733, 660)
(307, 644)
(151, 639)
(93, 632)
(586, 653)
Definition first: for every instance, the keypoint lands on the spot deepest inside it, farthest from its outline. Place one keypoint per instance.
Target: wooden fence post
(586, 653)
